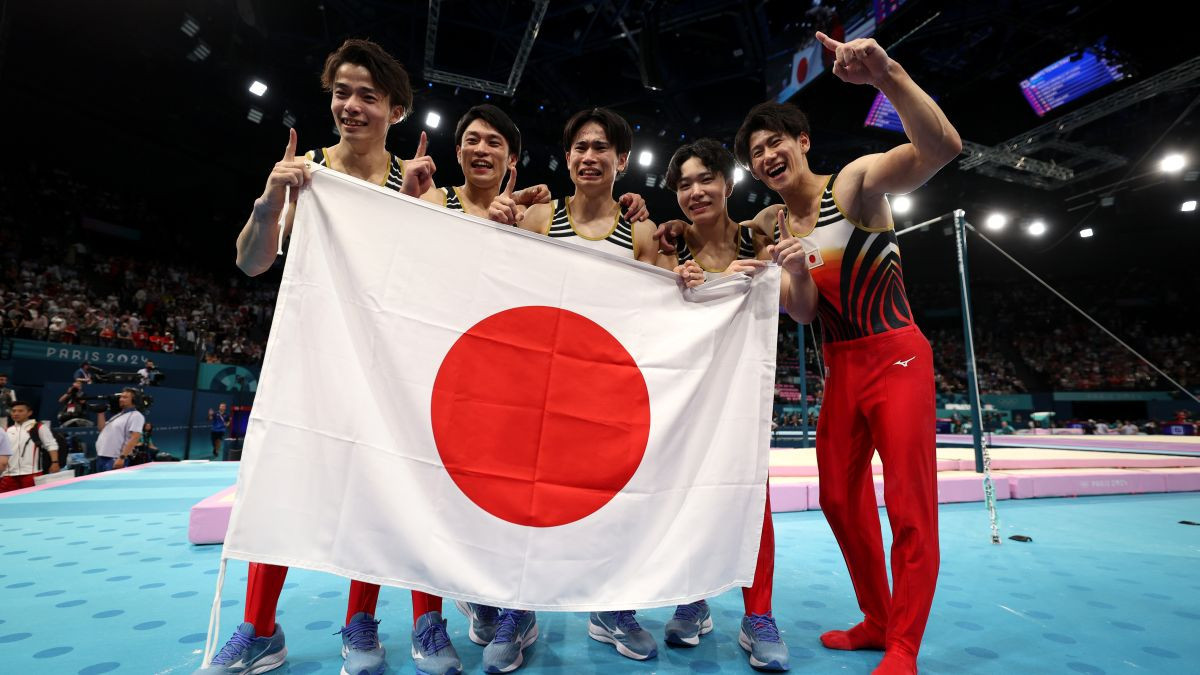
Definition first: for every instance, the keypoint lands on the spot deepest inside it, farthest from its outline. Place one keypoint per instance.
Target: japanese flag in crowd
(486, 414)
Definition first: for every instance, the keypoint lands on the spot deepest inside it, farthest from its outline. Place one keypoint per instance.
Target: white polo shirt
(117, 431)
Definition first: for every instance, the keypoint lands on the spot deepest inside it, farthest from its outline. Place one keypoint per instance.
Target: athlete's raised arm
(258, 242)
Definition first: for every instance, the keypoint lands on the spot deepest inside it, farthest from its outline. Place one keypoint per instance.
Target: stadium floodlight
(432, 120)
(258, 88)
(996, 222)
(738, 174)
(1189, 205)
(644, 158)
(901, 204)
(1172, 163)
(255, 115)
(289, 119)
(1086, 233)
(1037, 228)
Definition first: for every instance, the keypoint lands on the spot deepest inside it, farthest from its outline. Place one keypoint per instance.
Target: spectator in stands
(220, 426)
(27, 437)
(1004, 429)
(7, 398)
(1129, 428)
(119, 435)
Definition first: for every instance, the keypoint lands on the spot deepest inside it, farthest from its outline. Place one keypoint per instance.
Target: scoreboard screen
(1069, 78)
(883, 115)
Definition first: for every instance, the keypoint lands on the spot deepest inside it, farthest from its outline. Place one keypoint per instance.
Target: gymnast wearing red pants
(841, 260)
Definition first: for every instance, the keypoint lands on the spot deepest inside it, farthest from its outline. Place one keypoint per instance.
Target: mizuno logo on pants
(905, 362)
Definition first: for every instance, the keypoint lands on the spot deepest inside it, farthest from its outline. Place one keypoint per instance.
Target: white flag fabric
(486, 414)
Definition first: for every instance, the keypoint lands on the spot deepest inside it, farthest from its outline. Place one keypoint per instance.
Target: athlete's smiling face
(360, 108)
(777, 158)
(484, 155)
(701, 192)
(592, 160)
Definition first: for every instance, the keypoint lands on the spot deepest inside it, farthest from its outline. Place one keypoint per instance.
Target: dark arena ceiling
(151, 97)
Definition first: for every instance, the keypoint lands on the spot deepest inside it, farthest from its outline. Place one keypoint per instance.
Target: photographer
(72, 410)
(84, 373)
(25, 464)
(146, 450)
(119, 435)
(148, 374)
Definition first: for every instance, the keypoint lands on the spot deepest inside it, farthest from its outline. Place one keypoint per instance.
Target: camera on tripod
(101, 376)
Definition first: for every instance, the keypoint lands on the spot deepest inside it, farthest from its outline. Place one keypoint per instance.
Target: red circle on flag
(812, 258)
(802, 70)
(540, 415)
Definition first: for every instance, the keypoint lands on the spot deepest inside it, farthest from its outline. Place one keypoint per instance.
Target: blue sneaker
(516, 630)
(432, 651)
(247, 654)
(484, 620)
(760, 636)
(361, 650)
(622, 631)
(689, 623)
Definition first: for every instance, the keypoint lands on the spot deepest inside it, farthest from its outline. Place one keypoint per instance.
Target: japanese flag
(486, 414)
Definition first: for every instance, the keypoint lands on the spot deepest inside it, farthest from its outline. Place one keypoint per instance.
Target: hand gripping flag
(482, 413)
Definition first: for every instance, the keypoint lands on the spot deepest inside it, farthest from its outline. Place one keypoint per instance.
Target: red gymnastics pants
(879, 396)
(265, 583)
(757, 597)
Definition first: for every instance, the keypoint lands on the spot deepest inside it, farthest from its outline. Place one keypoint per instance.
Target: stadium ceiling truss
(1014, 160)
(433, 74)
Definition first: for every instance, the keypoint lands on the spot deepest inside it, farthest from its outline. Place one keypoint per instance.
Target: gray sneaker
(248, 654)
(432, 651)
(689, 623)
(760, 636)
(622, 631)
(483, 618)
(515, 630)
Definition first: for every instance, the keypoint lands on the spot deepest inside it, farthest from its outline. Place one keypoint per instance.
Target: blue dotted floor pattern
(98, 577)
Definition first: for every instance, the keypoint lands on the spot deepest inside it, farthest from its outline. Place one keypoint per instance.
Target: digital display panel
(1067, 79)
(883, 115)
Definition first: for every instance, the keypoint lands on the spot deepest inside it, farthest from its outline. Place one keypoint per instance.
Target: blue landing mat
(97, 577)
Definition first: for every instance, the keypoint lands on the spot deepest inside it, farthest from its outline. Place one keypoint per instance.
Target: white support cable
(1085, 314)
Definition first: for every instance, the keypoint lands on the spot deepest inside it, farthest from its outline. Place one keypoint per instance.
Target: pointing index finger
(290, 153)
(512, 181)
(828, 42)
(421, 145)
